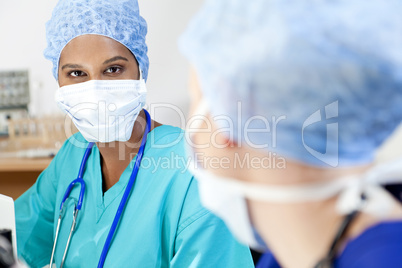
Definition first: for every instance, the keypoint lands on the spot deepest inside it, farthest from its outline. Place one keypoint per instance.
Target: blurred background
(31, 124)
(32, 128)
(22, 31)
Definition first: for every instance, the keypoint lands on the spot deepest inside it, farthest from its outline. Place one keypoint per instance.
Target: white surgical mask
(226, 197)
(103, 110)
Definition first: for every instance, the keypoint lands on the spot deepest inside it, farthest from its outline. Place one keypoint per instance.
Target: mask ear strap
(140, 73)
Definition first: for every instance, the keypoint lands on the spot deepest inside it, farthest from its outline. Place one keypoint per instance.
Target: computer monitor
(7, 219)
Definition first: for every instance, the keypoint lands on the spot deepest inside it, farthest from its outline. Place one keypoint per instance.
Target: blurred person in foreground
(291, 100)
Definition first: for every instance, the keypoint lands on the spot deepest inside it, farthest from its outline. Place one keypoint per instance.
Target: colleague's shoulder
(378, 246)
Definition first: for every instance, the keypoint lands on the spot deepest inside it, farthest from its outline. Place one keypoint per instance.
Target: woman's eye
(76, 73)
(113, 69)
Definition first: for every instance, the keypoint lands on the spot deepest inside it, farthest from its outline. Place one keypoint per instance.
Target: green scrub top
(163, 224)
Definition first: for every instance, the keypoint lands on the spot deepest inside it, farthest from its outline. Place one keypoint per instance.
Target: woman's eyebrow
(72, 66)
(115, 59)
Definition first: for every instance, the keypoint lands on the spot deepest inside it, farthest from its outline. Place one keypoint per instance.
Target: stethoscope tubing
(126, 194)
(78, 180)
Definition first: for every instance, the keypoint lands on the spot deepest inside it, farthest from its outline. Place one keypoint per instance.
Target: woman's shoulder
(378, 246)
(74, 143)
(166, 134)
(165, 140)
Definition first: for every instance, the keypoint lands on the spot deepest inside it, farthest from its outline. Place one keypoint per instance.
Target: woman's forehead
(94, 48)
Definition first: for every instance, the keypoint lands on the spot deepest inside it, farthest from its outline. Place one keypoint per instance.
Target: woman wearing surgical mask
(133, 214)
(291, 99)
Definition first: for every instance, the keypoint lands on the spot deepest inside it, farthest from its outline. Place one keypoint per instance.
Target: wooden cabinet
(18, 174)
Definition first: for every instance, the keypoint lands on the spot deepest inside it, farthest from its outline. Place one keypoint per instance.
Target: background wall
(22, 41)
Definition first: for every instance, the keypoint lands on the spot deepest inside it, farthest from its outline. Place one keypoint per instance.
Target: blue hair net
(318, 81)
(119, 20)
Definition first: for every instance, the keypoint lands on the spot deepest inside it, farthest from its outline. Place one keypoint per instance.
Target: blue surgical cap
(119, 20)
(318, 81)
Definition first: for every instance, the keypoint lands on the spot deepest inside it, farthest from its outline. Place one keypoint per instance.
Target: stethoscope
(78, 206)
